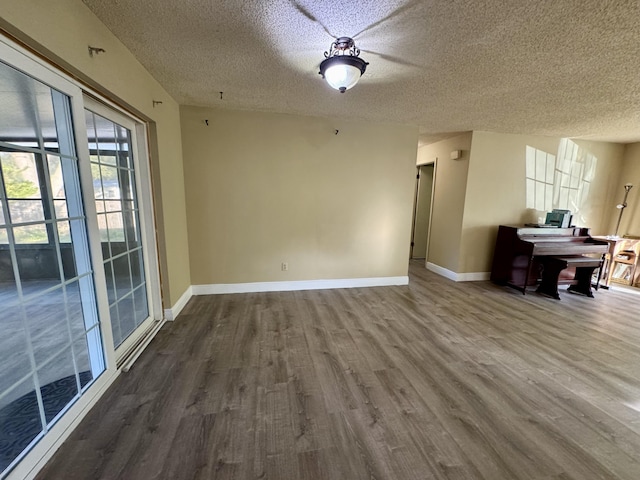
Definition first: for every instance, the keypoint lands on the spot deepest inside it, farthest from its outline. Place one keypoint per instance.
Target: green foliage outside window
(16, 185)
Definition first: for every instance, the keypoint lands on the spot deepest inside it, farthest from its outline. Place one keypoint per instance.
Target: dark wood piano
(516, 262)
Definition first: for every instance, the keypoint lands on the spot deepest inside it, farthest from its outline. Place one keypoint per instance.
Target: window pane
(115, 325)
(96, 355)
(127, 185)
(111, 289)
(74, 309)
(133, 238)
(110, 185)
(126, 314)
(141, 305)
(123, 139)
(8, 290)
(20, 175)
(2, 219)
(137, 268)
(105, 131)
(87, 294)
(116, 227)
(64, 232)
(58, 384)
(20, 420)
(23, 211)
(61, 208)
(72, 191)
(102, 226)
(81, 352)
(91, 135)
(47, 323)
(4, 238)
(55, 174)
(122, 275)
(108, 158)
(13, 343)
(97, 181)
(113, 206)
(31, 234)
(25, 104)
(67, 254)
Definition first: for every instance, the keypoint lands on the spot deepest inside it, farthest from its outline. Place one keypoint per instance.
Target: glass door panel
(51, 346)
(117, 206)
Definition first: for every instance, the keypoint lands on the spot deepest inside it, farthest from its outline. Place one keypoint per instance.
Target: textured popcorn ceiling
(568, 68)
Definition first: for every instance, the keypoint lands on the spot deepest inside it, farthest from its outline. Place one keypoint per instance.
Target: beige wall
(630, 174)
(495, 191)
(263, 189)
(448, 198)
(63, 29)
(600, 211)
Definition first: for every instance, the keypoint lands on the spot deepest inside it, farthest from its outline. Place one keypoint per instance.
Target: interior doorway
(422, 211)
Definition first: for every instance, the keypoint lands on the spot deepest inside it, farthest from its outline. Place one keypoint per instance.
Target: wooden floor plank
(434, 380)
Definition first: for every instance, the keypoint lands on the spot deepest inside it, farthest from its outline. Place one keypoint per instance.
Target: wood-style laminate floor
(435, 380)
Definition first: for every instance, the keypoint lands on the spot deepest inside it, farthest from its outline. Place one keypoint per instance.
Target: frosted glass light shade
(342, 71)
(342, 76)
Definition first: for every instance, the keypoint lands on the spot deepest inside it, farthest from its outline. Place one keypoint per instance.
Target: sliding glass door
(51, 344)
(79, 283)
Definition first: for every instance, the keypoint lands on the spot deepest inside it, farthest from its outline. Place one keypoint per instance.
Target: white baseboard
(474, 277)
(458, 277)
(442, 271)
(170, 314)
(221, 288)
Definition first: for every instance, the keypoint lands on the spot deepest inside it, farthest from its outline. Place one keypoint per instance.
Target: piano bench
(552, 265)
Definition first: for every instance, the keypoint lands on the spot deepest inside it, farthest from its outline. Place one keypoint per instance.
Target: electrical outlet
(285, 266)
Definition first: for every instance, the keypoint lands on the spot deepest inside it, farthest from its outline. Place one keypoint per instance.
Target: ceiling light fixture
(342, 66)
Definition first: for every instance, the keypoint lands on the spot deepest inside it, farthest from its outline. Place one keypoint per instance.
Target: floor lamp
(622, 206)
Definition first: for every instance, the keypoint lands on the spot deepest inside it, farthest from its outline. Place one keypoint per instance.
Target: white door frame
(433, 162)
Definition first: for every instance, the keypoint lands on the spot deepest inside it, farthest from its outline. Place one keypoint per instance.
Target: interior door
(422, 211)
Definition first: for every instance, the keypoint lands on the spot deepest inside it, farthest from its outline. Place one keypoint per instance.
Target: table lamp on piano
(559, 218)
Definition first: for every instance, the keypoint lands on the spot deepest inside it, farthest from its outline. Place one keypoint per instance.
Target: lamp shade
(342, 72)
(342, 68)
